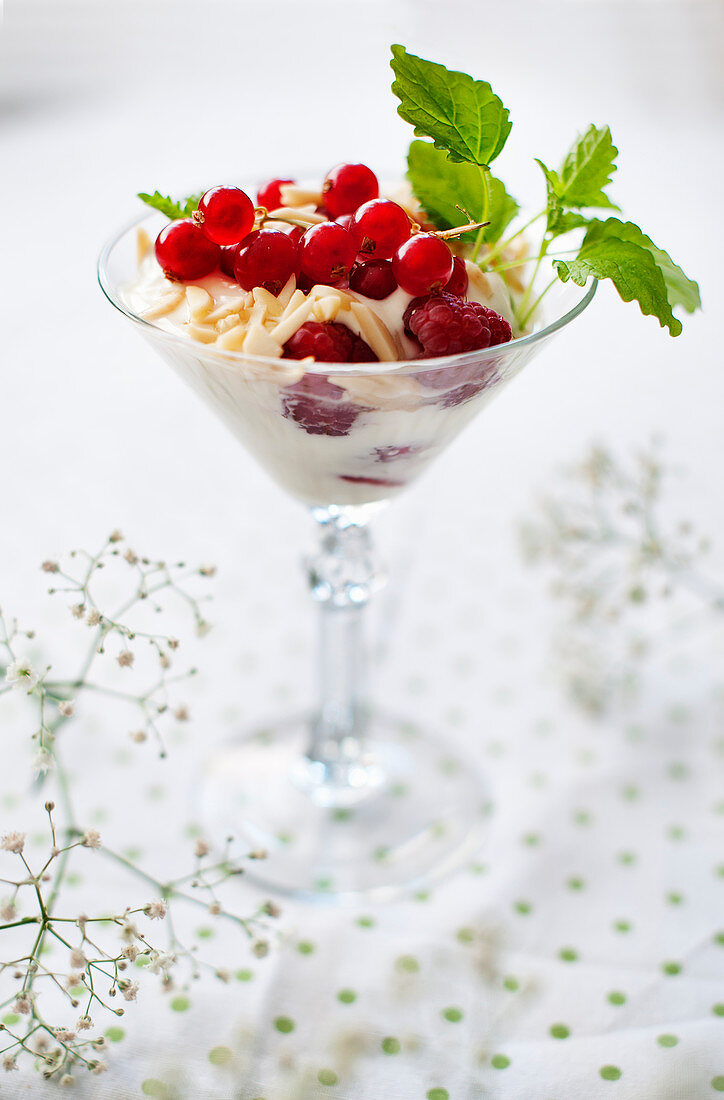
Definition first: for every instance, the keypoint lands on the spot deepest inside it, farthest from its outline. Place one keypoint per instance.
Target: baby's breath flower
(160, 962)
(78, 610)
(13, 842)
(8, 911)
(130, 952)
(260, 949)
(93, 617)
(63, 1035)
(9, 1063)
(129, 990)
(164, 661)
(139, 736)
(99, 1067)
(181, 714)
(115, 535)
(67, 708)
(207, 570)
(42, 762)
(21, 675)
(173, 643)
(77, 959)
(271, 909)
(155, 910)
(214, 909)
(84, 1023)
(202, 628)
(125, 658)
(223, 975)
(91, 839)
(67, 1080)
(258, 853)
(50, 567)
(130, 557)
(201, 848)
(23, 1004)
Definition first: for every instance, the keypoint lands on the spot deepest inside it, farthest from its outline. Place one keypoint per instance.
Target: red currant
(347, 186)
(373, 280)
(228, 259)
(225, 214)
(344, 220)
(269, 194)
(267, 257)
(184, 252)
(326, 253)
(422, 264)
(379, 227)
(457, 284)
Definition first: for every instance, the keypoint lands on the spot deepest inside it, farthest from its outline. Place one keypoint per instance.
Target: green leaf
(632, 270)
(184, 208)
(461, 115)
(587, 169)
(680, 289)
(445, 187)
(558, 219)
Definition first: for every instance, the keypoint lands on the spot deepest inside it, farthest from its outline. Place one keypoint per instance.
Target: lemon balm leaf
(462, 116)
(184, 208)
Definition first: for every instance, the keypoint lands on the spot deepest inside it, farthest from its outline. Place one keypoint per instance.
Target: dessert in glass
(345, 343)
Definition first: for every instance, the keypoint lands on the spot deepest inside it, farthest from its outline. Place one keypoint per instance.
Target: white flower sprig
(99, 949)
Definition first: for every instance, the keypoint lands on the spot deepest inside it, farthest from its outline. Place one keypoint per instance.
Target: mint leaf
(632, 270)
(680, 289)
(587, 169)
(461, 115)
(558, 219)
(444, 187)
(172, 209)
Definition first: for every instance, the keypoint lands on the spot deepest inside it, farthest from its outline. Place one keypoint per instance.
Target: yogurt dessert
(259, 296)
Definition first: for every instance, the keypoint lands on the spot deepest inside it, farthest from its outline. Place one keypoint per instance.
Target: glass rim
(231, 357)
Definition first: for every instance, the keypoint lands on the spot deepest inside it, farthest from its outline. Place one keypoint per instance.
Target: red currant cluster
(367, 243)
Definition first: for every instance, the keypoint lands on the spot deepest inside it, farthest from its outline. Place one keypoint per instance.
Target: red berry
(328, 342)
(267, 257)
(379, 227)
(344, 220)
(270, 194)
(184, 252)
(373, 280)
(228, 259)
(225, 214)
(326, 253)
(422, 264)
(446, 325)
(457, 284)
(347, 186)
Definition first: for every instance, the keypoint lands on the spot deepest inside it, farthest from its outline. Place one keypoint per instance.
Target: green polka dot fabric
(578, 955)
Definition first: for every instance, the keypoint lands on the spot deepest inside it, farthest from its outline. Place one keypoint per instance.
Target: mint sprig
(173, 209)
(468, 126)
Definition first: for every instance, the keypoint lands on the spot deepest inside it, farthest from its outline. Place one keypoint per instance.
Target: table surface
(579, 952)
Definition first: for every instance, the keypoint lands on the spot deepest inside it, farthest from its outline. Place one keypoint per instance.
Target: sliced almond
(374, 332)
(167, 302)
(302, 214)
(227, 309)
(259, 342)
(291, 321)
(326, 309)
(200, 302)
(294, 302)
(232, 319)
(143, 244)
(285, 294)
(233, 340)
(291, 195)
(271, 302)
(202, 333)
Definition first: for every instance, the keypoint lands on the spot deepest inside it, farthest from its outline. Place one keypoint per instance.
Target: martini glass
(347, 801)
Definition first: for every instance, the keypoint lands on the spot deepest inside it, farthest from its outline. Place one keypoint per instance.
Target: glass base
(409, 812)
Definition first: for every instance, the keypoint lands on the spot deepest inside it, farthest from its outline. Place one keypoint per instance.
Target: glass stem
(342, 577)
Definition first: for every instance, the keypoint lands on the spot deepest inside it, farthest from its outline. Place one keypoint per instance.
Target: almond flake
(294, 302)
(291, 195)
(285, 294)
(202, 333)
(165, 304)
(200, 302)
(326, 309)
(271, 302)
(233, 340)
(259, 342)
(302, 214)
(143, 244)
(291, 321)
(375, 333)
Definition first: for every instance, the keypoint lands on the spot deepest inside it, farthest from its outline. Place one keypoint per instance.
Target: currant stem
(447, 234)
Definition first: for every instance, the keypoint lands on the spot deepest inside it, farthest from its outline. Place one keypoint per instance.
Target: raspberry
(317, 406)
(447, 325)
(328, 342)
